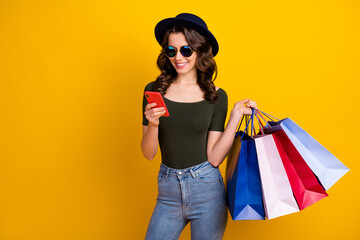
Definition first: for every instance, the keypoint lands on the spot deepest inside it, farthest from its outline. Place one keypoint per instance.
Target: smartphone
(155, 97)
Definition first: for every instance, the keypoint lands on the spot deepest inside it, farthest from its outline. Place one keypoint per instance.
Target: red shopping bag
(305, 185)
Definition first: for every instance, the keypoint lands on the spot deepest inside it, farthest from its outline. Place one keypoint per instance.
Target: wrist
(153, 125)
(235, 117)
(237, 114)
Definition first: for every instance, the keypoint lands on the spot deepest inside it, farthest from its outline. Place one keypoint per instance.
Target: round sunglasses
(171, 51)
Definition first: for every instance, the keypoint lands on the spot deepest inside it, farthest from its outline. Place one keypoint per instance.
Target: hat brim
(167, 23)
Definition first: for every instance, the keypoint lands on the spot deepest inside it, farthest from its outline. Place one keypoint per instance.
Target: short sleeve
(220, 111)
(148, 87)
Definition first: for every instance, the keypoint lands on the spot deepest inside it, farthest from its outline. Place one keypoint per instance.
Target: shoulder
(222, 100)
(150, 86)
(222, 93)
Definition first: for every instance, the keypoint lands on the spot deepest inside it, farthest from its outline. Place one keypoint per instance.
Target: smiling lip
(181, 65)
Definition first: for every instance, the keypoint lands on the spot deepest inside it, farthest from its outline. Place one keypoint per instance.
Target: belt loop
(167, 173)
(192, 174)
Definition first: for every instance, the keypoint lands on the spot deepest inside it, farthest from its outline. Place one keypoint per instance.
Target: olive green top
(183, 135)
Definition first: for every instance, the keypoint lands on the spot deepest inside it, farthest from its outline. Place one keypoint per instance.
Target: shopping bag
(277, 193)
(327, 168)
(324, 164)
(304, 184)
(243, 180)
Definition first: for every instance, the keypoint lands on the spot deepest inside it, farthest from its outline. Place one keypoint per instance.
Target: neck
(186, 79)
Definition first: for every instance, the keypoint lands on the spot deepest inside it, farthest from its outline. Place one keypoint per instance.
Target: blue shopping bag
(323, 163)
(243, 182)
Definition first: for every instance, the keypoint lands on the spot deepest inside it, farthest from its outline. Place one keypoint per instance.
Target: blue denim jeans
(195, 195)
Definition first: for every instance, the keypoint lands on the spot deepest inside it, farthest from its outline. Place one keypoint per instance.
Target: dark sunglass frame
(176, 51)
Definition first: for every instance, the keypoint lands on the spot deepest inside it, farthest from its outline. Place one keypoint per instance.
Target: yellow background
(72, 77)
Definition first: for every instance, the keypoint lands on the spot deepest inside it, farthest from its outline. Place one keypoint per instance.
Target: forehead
(177, 39)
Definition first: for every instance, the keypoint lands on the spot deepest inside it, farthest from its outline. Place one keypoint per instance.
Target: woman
(192, 139)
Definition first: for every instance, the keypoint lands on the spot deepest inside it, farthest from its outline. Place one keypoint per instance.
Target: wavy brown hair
(205, 63)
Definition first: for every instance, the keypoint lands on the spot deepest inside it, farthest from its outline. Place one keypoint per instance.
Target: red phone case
(156, 97)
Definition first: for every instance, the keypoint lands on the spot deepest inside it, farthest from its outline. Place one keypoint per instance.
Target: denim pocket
(161, 175)
(208, 176)
(222, 182)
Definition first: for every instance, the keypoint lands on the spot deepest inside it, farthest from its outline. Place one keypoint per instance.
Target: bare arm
(219, 143)
(149, 141)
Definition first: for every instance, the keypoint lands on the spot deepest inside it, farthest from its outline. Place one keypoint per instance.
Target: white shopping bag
(277, 193)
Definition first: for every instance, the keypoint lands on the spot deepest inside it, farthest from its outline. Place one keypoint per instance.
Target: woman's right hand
(153, 114)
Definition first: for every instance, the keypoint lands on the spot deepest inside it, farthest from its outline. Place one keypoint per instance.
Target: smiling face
(183, 65)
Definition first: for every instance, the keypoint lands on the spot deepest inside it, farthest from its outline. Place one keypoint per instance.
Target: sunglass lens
(186, 51)
(170, 51)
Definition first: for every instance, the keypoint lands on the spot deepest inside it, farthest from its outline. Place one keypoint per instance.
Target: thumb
(246, 100)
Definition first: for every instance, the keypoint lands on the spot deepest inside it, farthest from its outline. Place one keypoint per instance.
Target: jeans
(195, 195)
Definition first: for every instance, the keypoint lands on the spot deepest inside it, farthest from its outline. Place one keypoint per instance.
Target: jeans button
(180, 173)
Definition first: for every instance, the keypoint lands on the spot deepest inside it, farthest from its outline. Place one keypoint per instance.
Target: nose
(178, 55)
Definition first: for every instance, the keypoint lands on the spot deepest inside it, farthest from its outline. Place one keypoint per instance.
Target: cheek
(172, 63)
(193, 59)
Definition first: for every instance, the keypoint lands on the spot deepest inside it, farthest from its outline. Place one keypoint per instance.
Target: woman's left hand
(243, 107)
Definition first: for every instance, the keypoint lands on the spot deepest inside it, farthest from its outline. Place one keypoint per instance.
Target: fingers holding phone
(155, 108)
(153, 113)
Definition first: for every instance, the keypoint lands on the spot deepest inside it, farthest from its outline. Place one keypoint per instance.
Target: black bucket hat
(189, 20)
